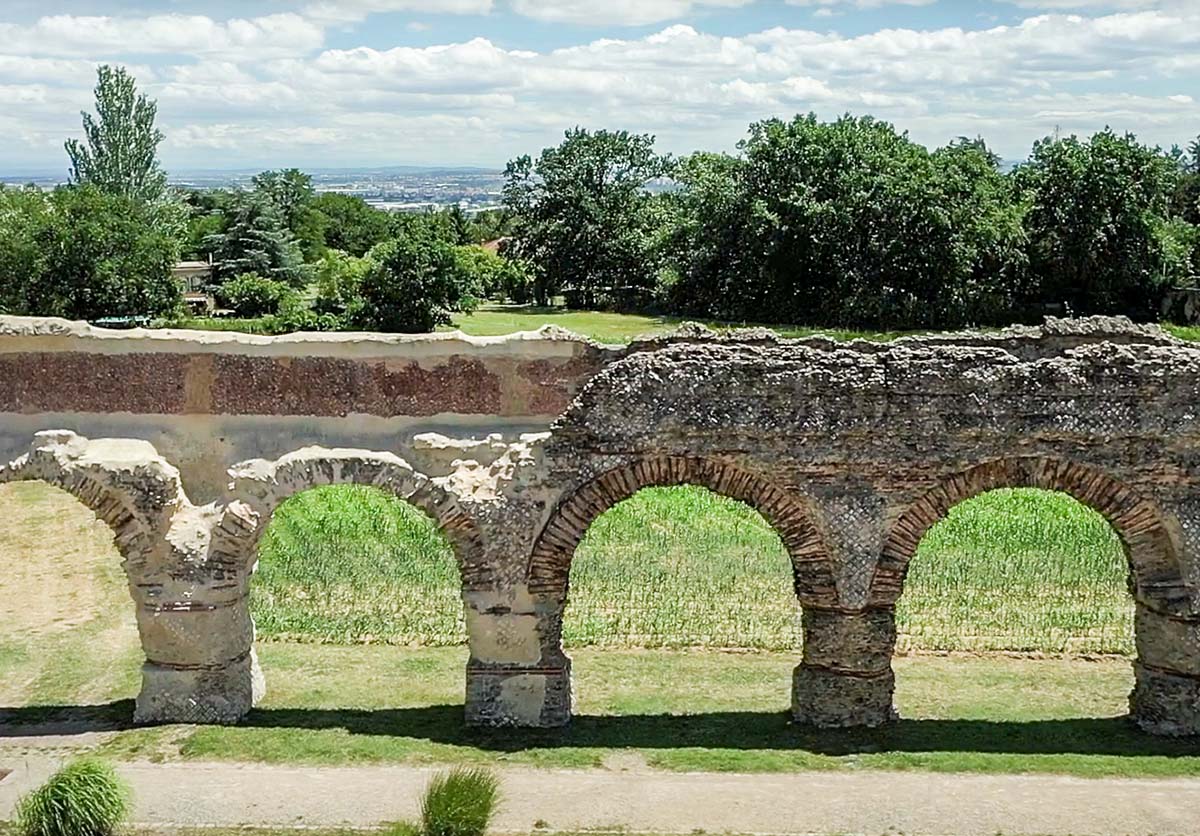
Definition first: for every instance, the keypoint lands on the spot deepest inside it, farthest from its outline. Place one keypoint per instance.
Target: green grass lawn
(695, 710)
(498, 320)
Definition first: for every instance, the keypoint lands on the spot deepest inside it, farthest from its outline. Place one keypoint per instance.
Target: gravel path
(644, 800)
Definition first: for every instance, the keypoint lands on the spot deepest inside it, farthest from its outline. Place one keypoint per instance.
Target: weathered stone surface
(1165, 704)
(196, 636)
(833, 700)
(849, 642)
(201, 695)
(1168, 644)
(850, 450)
(521, 697)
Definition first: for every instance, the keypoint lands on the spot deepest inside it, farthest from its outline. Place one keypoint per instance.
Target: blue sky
(327, 83)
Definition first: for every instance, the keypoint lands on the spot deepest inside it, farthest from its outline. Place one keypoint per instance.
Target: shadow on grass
(716, 730)
(39, 720)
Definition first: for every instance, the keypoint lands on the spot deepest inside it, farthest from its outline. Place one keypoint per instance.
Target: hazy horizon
(337, 84)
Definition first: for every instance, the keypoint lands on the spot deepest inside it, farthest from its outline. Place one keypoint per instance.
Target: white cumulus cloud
(265, 89)
(618, 12)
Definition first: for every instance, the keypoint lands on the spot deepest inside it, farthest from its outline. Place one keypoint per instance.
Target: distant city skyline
(454, 83)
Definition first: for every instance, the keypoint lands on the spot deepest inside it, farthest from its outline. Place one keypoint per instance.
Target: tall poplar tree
(119, 153)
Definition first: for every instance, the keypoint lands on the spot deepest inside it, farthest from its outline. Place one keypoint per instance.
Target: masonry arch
(1150, 548)
(75, 553)
(1167, 665)
(792, 519)
(260, 488)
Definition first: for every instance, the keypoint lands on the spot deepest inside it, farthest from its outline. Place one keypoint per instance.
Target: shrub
(460, 802)
(293, 317)
(250, 295)
(492, 276)
(84, 798)
(339, 279)
(412, 286)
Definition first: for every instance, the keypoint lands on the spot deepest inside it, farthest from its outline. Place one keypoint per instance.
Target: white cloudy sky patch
(479, 81)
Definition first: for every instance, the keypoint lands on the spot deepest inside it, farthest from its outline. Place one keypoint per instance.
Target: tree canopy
(119, 152)
(581, 209)
(82, 253)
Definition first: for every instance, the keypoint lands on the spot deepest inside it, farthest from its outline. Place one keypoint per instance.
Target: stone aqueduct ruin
(514, 445)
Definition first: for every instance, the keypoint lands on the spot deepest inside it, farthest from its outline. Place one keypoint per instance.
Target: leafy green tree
(412, 286)
(717, 238)
(81, 253)
(1186, 209)
(206, 215)
(292, 193)
(1185, 202)
(255, 240)
(119, 154)
(1095, 222)
(845, 223)
(491, 276)
(581, 209)
(24, 217)
(460, 223)
(431, 224)
(250, 295)
(990, 283)
(491, 225)
(339, 279)
(350, 224)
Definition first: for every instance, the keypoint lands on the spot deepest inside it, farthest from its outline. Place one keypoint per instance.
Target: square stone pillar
(846, 679)
(1166, 694)
(517, 674)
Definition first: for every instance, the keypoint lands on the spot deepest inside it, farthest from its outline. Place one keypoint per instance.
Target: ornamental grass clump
(460, 802)
(84, 798)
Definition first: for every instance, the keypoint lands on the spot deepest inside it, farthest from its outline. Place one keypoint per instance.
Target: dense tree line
(851, 223)
(844, 223)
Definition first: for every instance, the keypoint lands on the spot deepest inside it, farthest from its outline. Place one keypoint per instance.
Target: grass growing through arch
(1019, 570)
(348, 564)
(1014, 570)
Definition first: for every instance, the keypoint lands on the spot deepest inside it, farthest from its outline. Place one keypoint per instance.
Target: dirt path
(641, 801)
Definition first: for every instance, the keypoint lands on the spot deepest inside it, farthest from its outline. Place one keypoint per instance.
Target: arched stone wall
(1152, 553)
(259, 487)
(852, 450)
(139, 496)
(793, 521)
(553, 551)
(1166, 676)
(85, 469)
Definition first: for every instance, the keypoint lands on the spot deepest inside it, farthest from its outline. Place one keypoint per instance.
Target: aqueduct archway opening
(673, 602)
(71, 642)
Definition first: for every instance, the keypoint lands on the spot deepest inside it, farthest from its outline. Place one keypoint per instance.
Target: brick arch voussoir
(245, 520)
(1153, 558)
(792, 519)
(132, 534)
